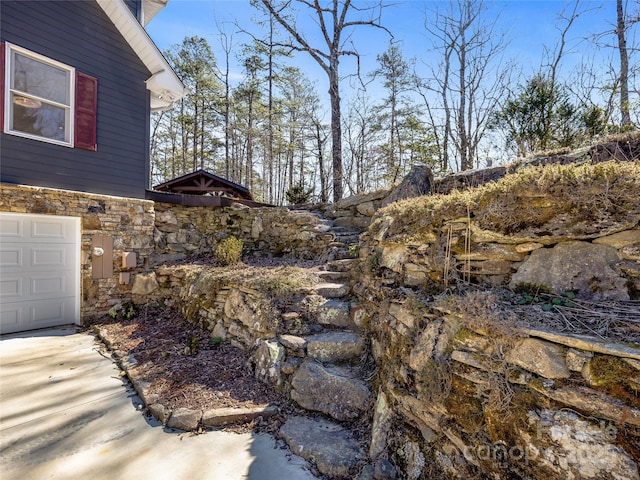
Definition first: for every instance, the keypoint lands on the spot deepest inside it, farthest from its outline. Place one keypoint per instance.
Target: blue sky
(529, 24)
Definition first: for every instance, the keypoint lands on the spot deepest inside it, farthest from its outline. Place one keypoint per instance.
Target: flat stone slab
(227, 416)
(331, 390)
(293, 342)
(331, 276)
(334, 346)
(328, 444)
(344, 265)
(541, 357)
(591, 344)
(332, 290)
(333, 312)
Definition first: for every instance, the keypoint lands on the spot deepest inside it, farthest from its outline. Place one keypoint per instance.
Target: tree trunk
(269, 158)
(336, 130)
(323, 180)
(227, 108)
(624, 66)
(447, 111)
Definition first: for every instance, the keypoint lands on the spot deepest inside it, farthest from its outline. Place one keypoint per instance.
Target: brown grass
(529, 198)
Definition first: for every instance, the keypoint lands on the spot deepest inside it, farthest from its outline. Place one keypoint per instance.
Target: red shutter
(1, 87)
(86, 112)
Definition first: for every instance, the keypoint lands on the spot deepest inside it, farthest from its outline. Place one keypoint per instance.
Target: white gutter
(165, 87)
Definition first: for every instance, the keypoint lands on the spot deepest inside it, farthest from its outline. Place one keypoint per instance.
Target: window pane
(37, 78)
(39, 118)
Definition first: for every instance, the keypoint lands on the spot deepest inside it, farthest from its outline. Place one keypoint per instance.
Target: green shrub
(229, 251)
(297, 195)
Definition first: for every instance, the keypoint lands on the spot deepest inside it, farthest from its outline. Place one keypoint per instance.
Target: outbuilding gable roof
(202, 182)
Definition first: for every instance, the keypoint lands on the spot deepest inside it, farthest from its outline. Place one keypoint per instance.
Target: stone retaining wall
(514, 233)
(128, 221)
(181, 231)
(465, 394)
(477, 384)
(355, 212)
(230, 310)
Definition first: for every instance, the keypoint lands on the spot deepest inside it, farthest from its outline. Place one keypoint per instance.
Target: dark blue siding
(136, 7)
(79, 34)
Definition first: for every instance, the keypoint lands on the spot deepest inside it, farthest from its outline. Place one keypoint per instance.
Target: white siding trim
(164, 85)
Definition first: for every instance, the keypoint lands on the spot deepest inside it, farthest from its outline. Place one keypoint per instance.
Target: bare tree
(363, 164)
(227, 45)
(469, 81)
(625, 45)
(335, 24)
(621, 33)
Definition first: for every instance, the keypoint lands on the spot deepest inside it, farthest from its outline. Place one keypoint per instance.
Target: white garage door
(39, 271)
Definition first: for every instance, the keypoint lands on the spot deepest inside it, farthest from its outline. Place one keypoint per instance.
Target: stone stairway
(323, 349)
(345, 237)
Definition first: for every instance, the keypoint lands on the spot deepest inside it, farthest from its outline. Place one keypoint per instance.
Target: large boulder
(417, 183)
(574, 266)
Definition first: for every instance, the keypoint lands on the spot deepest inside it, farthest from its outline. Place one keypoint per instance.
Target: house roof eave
(150, 9)
(164, 85)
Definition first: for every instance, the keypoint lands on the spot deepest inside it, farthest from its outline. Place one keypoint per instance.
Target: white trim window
(39, 101)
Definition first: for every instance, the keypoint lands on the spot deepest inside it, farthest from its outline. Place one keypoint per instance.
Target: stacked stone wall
(356, 211)
(476, 381)
(570, 235)
(278, 232)
(129, 221)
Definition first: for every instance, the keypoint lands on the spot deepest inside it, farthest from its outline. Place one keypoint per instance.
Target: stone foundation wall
(128, 221)
(181, 231)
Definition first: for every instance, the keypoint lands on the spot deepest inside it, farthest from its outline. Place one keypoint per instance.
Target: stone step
(347, 237)
(329, 290)
(339, 392)
(335, 346)
(343, 254)
(332, 312)
(329, 445)
(331, 276)
(343, 265)
(337, 244)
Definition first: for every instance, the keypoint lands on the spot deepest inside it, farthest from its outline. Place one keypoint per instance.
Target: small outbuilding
(206, 183)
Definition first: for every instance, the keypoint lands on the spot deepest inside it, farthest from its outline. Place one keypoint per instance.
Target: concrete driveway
(65, 413)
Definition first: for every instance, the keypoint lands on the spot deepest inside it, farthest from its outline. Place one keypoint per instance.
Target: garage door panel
(10, 317)
(11, 257)
(40, 229)
(39, 271)
(48, 286)
(10, 288)
(53, 256)
(30, 257)
(11, 227)
(47, 313)
(37, 314)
